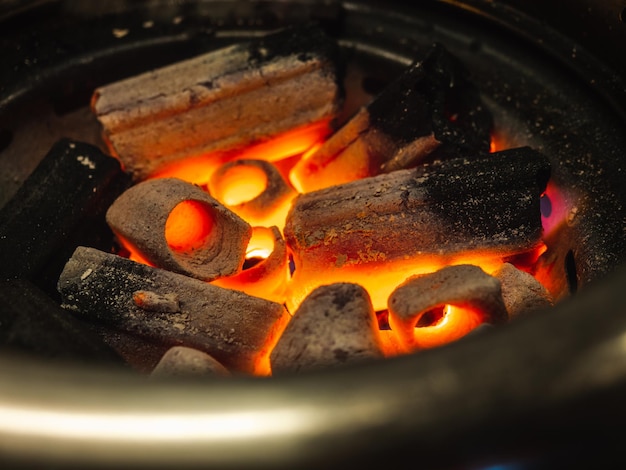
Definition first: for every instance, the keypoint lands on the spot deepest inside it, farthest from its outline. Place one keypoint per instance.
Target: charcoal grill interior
(531, 393)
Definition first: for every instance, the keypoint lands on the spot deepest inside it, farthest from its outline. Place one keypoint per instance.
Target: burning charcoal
(60, 206)
(180, 361)
(451, 211)
(32, 323)
(522, 293)
(391, 345)
(335, 325)
(221, 101)
(467, 294)
(555, 269)
(268, 277)
(175, 225)
(254, 190)
(431, 107)
(236, 329)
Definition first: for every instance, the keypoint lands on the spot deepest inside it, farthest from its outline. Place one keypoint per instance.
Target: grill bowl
(539, 392)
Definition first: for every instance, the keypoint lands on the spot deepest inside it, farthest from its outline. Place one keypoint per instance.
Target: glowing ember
(253, 189)
(188, 226)
(198, 169)
(244, 184)
(268, 275)
(455, 322)
(206, 240)
(325, 211)
(240, 184)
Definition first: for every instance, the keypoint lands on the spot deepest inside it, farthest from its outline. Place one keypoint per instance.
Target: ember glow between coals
(337, 216)
(267, 272)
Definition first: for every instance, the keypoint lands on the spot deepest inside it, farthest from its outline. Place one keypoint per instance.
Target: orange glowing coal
(240, 184)
(449, 324)
(253, 189)
(266, 272)
(378, 278)
(132, 253)
(188, 226)
(199, 168)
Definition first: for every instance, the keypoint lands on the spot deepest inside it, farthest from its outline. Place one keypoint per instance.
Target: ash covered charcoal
(522, 293)
(59, 207)
(140, 218)
(236, 329)
(221, 101)
(335, 325)
(180, 361)
(431, 110)
(486, 206)
(32, 323)
(476, 297)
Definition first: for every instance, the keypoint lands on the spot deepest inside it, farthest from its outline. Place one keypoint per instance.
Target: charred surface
(140, 215)
(220, 101)
(32, 323)
(62, 205)
(441, 209)
(231, 326)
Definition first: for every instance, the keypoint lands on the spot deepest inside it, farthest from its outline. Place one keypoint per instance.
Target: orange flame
(133, 253)
(390, 344)
(198, 169)
(240, 184)
(189, 224)
(378, 278)
(262, 365)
